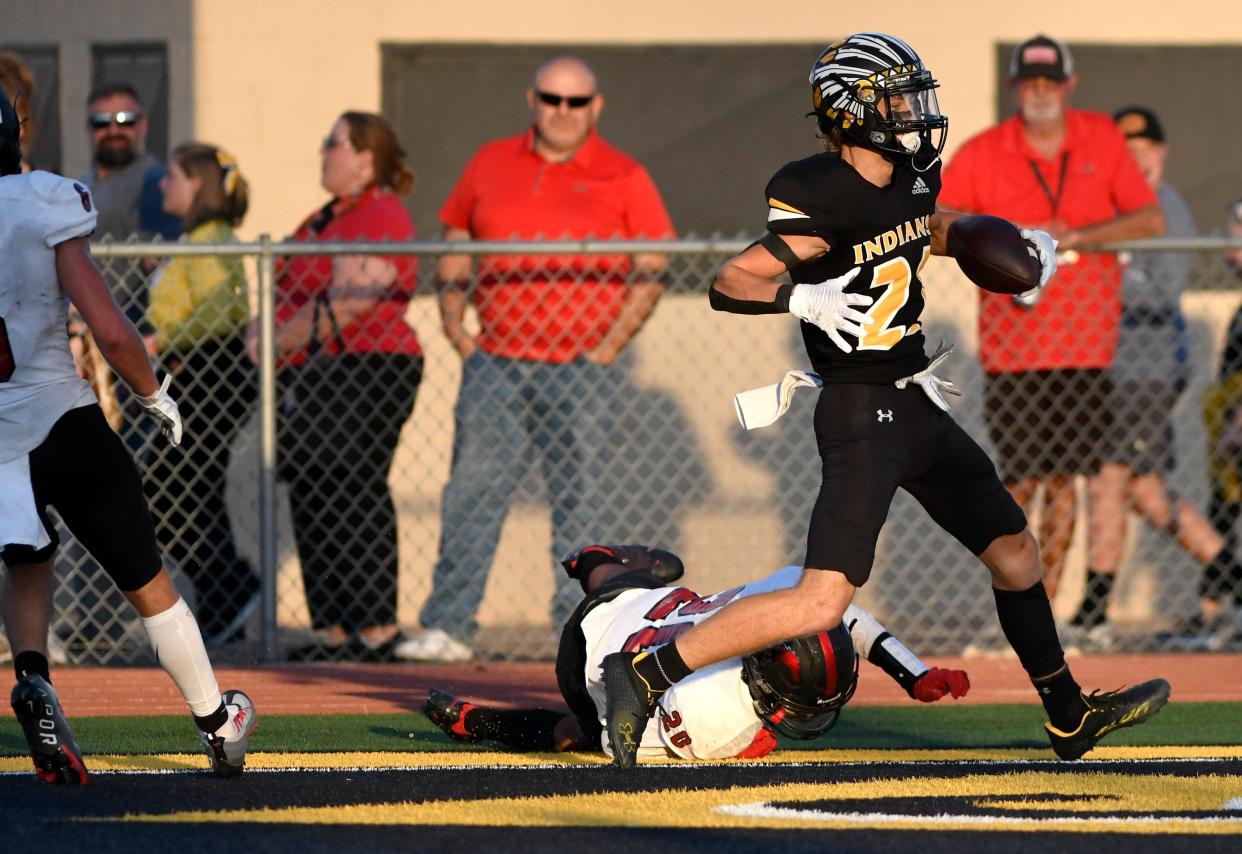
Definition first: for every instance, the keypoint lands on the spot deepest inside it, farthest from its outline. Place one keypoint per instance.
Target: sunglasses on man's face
(575, 102)
(330, 142)
(123, 119)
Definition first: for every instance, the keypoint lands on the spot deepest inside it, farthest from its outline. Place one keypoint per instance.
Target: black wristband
(723, 302)
(783, 293)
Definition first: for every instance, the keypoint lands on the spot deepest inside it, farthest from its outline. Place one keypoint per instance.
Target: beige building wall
(266, 78)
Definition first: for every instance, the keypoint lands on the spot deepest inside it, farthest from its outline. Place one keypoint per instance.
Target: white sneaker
(1100, 639)
(226, 748)
(433, 645)
(56, 651)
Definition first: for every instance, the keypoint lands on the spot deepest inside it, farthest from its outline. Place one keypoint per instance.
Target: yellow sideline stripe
(1129, 799)
(260, 760)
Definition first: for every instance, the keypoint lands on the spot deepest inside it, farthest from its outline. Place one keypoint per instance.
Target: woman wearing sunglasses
(198, 312)
(350, 370)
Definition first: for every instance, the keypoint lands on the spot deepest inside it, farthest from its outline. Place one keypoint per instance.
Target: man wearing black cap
(1067, 172)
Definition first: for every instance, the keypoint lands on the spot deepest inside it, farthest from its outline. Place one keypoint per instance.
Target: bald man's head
(564, 106)
(565, 70)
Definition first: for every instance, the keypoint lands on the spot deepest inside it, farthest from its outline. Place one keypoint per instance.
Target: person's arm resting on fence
(359, 282)
(1147, 221)
(640, 300)
(453, 273)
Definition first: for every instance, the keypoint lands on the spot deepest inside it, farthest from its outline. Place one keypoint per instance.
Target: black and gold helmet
(799, 686)
(875, 90)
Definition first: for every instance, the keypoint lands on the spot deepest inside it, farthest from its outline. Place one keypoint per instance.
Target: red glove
(937, 682)
(763, 744)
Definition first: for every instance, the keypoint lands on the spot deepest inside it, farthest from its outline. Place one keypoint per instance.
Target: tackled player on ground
(733, 709)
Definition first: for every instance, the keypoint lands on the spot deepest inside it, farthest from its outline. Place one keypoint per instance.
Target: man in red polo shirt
(538, 375)
(1045, 359)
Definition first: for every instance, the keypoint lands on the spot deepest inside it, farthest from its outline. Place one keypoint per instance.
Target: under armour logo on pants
(883, 415)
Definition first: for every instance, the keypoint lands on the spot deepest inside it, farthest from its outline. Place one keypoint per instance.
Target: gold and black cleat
(1106, 712)
(630, 702)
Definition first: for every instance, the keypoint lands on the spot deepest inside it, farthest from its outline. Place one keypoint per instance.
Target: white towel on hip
(759, 407)
(19, 516)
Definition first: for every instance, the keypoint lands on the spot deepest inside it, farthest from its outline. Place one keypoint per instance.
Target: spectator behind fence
(198, 310)
(1149, 373)
(1222, 415)
(350, 370)
(125, 183)
(1045, 382)
(538, 374)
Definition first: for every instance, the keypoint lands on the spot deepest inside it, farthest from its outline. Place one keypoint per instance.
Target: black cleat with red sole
(449, 714)
(57, 759)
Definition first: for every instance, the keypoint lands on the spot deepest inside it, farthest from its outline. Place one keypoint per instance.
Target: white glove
(828, 306)
(934, 387)
(1044, 249)
(164, 410)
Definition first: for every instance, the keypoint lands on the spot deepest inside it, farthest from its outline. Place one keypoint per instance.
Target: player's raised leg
(1076, 721)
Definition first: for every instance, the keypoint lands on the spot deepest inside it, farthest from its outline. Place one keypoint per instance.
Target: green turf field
(867, 727)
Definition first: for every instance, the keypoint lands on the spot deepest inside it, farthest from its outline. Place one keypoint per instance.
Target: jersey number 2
(894, 277)
(7, 365)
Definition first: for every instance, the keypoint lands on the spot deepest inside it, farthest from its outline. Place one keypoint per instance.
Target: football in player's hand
(993, 255)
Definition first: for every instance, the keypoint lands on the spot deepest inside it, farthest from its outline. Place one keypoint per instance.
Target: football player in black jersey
(853, 227)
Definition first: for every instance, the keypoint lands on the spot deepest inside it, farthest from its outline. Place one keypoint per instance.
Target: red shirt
(375, 214)
(1075, 324)
(552, 308)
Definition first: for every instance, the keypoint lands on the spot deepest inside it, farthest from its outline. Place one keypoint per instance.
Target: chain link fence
(341, 494)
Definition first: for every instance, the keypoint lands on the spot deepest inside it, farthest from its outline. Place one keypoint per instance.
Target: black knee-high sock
(524, 729)
(1026, 619)
(663, 668)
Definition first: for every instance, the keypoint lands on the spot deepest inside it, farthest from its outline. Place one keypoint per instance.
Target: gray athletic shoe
(226, 748)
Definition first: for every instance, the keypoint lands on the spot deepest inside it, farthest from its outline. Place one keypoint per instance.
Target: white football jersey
(709, 714)
(38, 382)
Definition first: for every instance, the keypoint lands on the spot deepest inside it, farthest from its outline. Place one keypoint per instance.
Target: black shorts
(1048, 422)
(84, 470)
(875, 438)
(571, 656)
(1141, 436)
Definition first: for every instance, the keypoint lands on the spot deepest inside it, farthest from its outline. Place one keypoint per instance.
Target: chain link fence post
(267, 450)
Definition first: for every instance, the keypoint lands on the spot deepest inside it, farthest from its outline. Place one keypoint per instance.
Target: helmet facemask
(900, 117)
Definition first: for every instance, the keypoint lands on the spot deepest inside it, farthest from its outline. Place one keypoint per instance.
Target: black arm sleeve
(724, 302)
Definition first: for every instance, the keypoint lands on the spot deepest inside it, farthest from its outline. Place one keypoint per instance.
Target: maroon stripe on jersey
(830, 663)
